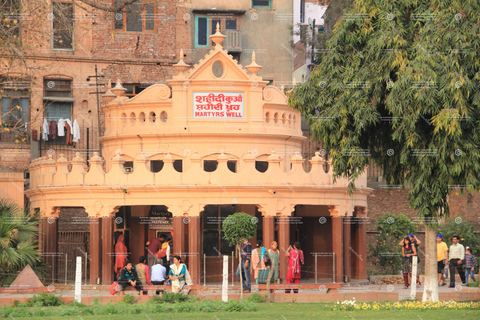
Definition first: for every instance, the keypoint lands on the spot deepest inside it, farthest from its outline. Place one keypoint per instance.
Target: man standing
(246, 251)
(442, 257)
(153, 246)
(158, 274)
(457, 254)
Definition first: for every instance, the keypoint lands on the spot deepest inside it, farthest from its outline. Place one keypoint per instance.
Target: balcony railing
(233, 42)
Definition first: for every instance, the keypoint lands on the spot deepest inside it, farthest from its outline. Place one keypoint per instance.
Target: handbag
(263, 276)
(267, 260)
(114, 287)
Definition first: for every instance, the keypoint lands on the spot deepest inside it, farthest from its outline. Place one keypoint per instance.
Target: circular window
(124, 118)
(284, 119)
(289, 119)
(275, 118)
(163, 116)
(268, 118)
(141, 117)
(132, 117)
(217, 69)
(152, 117)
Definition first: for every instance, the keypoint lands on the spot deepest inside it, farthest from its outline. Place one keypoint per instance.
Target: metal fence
(70, 245)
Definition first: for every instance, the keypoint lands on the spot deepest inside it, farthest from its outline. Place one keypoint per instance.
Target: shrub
(473, 284)
(257, 298)
(391, 230)
(173, 298)
(40, 313)
(44, 300)
(127, 299)
(239, 306)
(135, 309)
(184, 307)
(109, 309)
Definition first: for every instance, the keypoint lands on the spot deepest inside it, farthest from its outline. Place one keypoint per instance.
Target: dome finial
(253, 67)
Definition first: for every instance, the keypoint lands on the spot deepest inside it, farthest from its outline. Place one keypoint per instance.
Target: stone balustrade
(46, 172)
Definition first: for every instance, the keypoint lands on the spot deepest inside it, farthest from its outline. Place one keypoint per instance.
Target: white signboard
(218, 105)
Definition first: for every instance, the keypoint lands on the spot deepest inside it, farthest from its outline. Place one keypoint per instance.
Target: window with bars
(10, 21)
(207, 25)
(58, 97)
(62, 25)
(261, 3)
(136, 17)
(15, 100)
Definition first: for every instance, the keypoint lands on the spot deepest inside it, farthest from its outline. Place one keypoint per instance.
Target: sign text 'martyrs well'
(222, 105)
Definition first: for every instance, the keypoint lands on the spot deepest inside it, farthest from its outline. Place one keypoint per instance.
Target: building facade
(217, 140)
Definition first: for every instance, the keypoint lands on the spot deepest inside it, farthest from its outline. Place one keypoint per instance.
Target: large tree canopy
(400, 84)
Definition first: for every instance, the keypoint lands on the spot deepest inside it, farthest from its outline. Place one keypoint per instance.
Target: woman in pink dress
(295, 257)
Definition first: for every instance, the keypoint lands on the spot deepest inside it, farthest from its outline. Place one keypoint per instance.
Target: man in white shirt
(456, 255)
(158, 274)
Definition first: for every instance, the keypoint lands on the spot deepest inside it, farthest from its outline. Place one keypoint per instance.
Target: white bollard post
(78, 280)
(413, 284)
(225, 279)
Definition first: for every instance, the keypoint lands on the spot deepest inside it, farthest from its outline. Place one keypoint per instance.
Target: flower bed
(350, 305)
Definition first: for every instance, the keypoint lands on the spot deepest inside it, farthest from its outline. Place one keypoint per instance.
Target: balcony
(233, 42)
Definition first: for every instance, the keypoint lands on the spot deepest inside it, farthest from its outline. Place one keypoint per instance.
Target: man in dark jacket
(128, 277)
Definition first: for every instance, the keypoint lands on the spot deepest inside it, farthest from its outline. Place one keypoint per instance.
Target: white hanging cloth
(45, 130)
(76, 131)
(61, 128)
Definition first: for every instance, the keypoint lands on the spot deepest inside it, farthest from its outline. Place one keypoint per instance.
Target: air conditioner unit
(128, 169)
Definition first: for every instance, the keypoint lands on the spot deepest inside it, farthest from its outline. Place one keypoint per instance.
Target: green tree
(18, 243)
(391, 229)
(399, 85)
(237, 227)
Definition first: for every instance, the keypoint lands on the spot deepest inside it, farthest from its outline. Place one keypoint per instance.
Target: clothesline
(53, 129)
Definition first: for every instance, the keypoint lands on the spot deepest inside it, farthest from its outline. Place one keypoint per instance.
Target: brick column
(178, 236)
(337, 247)
(268, 231)
(347, 247)
(50, 244)
(95, 249)
(107, 250)
(283, 244)
(194, 248)
(361, 245)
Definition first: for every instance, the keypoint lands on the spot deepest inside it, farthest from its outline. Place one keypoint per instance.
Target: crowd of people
(161, 268)
(158, 268)
(448, 260)
(259, 262)
(454, 258)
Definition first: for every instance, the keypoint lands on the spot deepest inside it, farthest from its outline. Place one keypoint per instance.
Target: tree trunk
(430, 292)
(240, 265)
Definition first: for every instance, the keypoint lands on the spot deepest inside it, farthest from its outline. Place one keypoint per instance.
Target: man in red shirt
(153, 246)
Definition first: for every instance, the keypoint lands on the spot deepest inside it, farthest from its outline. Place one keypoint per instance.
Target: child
(471, 263)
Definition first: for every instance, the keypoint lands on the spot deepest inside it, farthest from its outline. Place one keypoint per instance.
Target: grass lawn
(287, 311)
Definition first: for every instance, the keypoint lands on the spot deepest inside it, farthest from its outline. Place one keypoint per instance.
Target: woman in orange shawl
(120, 254)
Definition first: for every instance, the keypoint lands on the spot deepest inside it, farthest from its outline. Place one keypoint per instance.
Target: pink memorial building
(215, 141)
